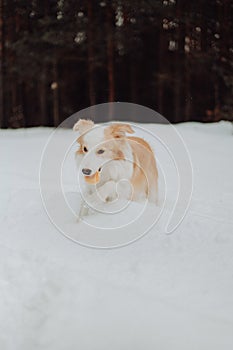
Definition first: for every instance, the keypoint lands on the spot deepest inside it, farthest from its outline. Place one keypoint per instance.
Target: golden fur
(144, 179)
(145, 173)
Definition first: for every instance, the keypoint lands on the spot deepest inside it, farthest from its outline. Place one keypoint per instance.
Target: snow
(160, 292)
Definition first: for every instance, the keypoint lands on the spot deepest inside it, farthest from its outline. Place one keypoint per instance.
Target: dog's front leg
(93, 201)
(84, 208)
(83, 211)
(105, 193)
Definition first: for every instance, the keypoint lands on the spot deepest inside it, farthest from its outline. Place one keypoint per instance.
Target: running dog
(108, 157)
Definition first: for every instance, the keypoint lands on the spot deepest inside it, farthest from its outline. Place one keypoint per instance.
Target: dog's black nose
(86, 171)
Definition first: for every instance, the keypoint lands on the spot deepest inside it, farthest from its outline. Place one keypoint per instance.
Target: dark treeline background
(60, 56)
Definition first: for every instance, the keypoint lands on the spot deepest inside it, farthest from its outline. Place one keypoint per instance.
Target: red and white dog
(107, 156)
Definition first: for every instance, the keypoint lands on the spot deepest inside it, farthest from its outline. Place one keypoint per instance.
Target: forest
(60, 56)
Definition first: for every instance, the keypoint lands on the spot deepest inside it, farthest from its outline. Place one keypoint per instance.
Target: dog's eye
(100, 151)
(85, 149)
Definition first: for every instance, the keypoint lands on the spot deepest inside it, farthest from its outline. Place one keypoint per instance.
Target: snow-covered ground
(161, 292)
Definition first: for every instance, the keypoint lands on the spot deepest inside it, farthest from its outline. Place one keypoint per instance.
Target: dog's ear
(119, 130)
(83, 125)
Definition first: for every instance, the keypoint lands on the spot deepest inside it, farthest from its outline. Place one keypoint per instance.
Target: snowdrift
(160, 292)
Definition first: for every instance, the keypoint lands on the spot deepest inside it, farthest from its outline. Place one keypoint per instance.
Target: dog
(108, 157)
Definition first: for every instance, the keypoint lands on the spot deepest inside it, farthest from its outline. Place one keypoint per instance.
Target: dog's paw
(111, 198)
(97, 203)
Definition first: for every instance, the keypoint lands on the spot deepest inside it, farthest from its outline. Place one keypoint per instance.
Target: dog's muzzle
(93, 179)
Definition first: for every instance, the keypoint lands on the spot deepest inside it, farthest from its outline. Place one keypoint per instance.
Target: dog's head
(99, 146)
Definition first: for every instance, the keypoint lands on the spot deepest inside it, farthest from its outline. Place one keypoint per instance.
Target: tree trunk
(224, 52)
(92, 95)
(134, 66)
(188, 97)
(42, 95)
(1, 64)
(187, 77)
(54, 87)
(162, 67)
(110, 54)
(161, 71)
(179, 59)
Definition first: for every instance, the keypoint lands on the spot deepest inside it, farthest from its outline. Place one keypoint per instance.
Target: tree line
(60, 56)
